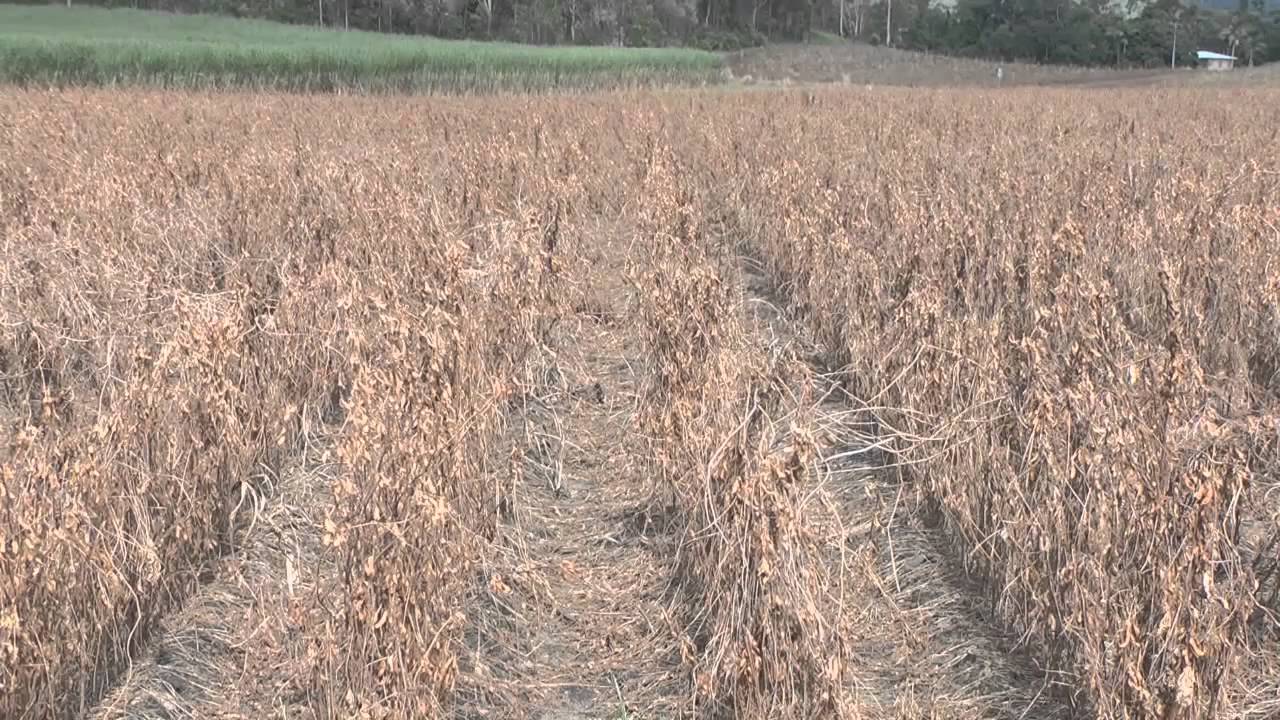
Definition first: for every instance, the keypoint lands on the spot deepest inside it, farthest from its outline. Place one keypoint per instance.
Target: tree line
(1076, 32)
(1092, 32)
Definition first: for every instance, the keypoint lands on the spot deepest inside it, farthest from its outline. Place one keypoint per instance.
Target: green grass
(54, 45)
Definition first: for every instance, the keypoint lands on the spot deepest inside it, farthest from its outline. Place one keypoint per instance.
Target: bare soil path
(237, 649)
(574, 617)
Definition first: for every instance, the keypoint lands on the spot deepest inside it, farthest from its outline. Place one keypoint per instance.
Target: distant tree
(931, 30)
(1245, 32)
(1117, 34)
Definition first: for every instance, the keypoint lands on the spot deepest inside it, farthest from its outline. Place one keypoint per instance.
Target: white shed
(1215, 62)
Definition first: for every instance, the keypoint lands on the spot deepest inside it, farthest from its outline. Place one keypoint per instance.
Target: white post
(888, 23)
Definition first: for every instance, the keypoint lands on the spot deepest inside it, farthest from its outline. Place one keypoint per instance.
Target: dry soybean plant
(1080, 379)
(733, 453)
(176, 304)
(1060, 310)
(427, 393)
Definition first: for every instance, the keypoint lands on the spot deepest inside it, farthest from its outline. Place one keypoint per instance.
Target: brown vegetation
(862, 64)
(1059, 312)
(734, 459)
(176, 304)
(1071, 341)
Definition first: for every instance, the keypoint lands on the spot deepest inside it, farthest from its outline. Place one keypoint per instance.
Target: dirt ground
(861, 64)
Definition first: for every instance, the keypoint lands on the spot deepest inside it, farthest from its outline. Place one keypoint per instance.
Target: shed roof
(1206, 55)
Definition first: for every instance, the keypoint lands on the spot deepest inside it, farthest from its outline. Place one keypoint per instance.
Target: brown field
(687, 404)
(862, 64)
